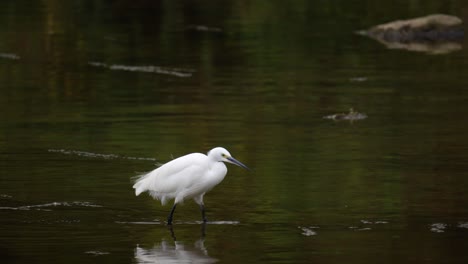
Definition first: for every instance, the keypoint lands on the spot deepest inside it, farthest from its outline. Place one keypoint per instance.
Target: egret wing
(173, 177)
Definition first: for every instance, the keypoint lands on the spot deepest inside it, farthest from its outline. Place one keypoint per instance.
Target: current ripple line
(96, 155)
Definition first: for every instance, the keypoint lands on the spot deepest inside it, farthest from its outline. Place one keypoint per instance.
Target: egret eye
(223, 155)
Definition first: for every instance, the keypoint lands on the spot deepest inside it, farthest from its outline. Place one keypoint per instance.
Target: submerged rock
(438, 227)
(203, 28)
(437, 33)
(352, 115)
(307, 231)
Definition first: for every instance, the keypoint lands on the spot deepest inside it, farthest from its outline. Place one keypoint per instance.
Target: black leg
(203, 230)
(202, 208)
(169, 218)
(172, 232)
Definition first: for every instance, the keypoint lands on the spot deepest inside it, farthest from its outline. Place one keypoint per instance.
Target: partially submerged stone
(203, 28)
(351, 116)
(437, 33)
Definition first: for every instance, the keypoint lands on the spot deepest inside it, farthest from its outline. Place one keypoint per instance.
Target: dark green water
(93, 93)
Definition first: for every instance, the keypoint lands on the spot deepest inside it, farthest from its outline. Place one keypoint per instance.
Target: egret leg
(169, 218)
(203, 230)
(202, 208)
(172, 232)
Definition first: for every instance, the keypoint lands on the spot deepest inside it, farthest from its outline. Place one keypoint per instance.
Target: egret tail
(140, 184)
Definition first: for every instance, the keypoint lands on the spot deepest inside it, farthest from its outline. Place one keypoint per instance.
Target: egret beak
(236, 162)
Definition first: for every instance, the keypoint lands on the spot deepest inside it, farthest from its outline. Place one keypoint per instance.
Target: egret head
(222, 155)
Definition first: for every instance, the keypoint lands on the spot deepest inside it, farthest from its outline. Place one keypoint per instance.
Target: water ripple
(96, 155)
(367, 222)
(179, 223)
(47, 206)
(97, 253)
(139, 222)
(10, 56)
(177, 72)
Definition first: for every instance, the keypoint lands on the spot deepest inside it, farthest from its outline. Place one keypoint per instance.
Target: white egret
(189, 176)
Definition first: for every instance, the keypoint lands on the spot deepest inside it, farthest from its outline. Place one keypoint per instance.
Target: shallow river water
(93, 93)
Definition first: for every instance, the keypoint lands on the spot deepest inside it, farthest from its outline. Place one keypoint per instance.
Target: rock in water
(437, 33)
(351, 116)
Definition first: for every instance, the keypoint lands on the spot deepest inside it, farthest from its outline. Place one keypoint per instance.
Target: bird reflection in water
(166, 252)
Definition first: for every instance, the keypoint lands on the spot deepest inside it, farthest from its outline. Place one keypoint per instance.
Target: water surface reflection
(175, 251)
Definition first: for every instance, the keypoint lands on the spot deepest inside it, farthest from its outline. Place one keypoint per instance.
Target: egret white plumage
(189, 176)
